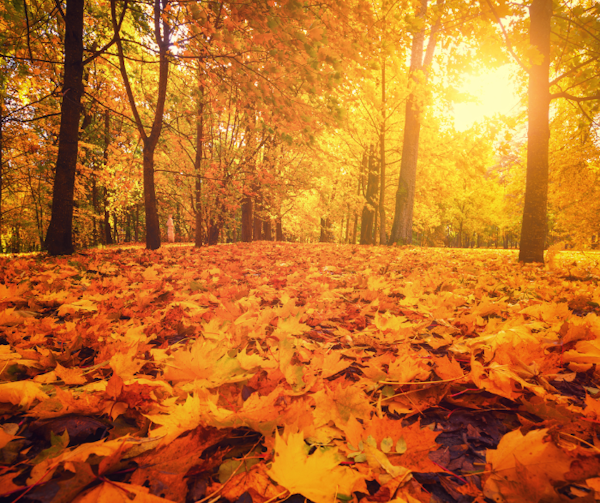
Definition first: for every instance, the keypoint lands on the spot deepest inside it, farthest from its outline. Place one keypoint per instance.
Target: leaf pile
(257, 372)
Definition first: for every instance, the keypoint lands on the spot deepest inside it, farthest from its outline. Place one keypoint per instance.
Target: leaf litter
(264, 372)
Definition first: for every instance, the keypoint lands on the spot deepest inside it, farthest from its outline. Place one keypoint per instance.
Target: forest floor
(268, 371)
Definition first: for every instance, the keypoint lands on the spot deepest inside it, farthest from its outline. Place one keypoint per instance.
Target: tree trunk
(1, 166)
(150, 140)
(247, 218)
(198, 237)
(534, 228)
(268, 229)
(198, 234)
(59, 238)
(215, 224)
(405, 196)
(108, 240)
(247, 206)
(257, 219)
(382, 235)
(137, 221)
(278, 229)
(152, 223)
(368, 213)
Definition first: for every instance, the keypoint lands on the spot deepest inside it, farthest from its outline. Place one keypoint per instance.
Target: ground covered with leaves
(266, 372)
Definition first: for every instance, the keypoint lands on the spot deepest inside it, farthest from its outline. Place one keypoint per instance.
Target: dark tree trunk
(535, 226)
(106, 234)
(108, 240)
(268, 229)
(326, 235)
(257, 227)
(405, 196)
(59, 238)
(198, 237)
(150, 141)
(247, 206)
(278, 229)
(382, 234)
(247, 218)
(368, 213)
(128, 228)
(198, 234)
(1, 167)
(214, 226)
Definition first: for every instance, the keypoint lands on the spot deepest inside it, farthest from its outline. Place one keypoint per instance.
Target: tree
(59, 239)
(535, 228)
(405, 195)
(150, 140)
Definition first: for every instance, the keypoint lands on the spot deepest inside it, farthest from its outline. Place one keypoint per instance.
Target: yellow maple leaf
(317, 476)
(44, 470)
(526, 468)
(84, 305)
(292, 325)
(125, 365)
(21, 393)
(70, 376)
(5, 438)
(117, 492)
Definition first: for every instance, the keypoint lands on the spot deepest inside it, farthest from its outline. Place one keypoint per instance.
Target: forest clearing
(267, 372)
(261, 355)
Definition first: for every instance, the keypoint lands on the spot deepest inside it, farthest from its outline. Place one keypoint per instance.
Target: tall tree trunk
(247, 206)
(198, 237)
(1, 165)
(106, 234)
(137, 220)
(247, 217)
(278, 229)
(405, 196)
(108, 240)
(535, 226)
(59, 238)
(368, 213)
(257, 228)
(268, 229)
(382, 234)
(150, 141)
(215, 223)
(198, 234)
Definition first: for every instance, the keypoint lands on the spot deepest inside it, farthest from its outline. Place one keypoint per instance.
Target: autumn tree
(565, 45)
(162, 38)
(419, 67)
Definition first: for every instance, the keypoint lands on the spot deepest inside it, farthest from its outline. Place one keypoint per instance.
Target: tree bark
(247, 206)
(257, 227)
(149, 140)
(268, 229)
(535, 225)
(247, 218)
(1, 166)
(382, 234)
(59, 238)
(198, 237)
(368, 213)
(405, 196)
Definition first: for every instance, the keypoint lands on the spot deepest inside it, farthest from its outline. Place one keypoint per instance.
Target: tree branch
(506, 39)
(577, 99)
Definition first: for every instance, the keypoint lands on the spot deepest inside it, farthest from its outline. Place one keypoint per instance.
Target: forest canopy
(296, 120)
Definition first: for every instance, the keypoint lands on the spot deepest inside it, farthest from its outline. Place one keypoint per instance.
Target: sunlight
(493, 93)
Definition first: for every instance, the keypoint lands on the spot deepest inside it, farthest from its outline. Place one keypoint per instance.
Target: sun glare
(493, 93)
